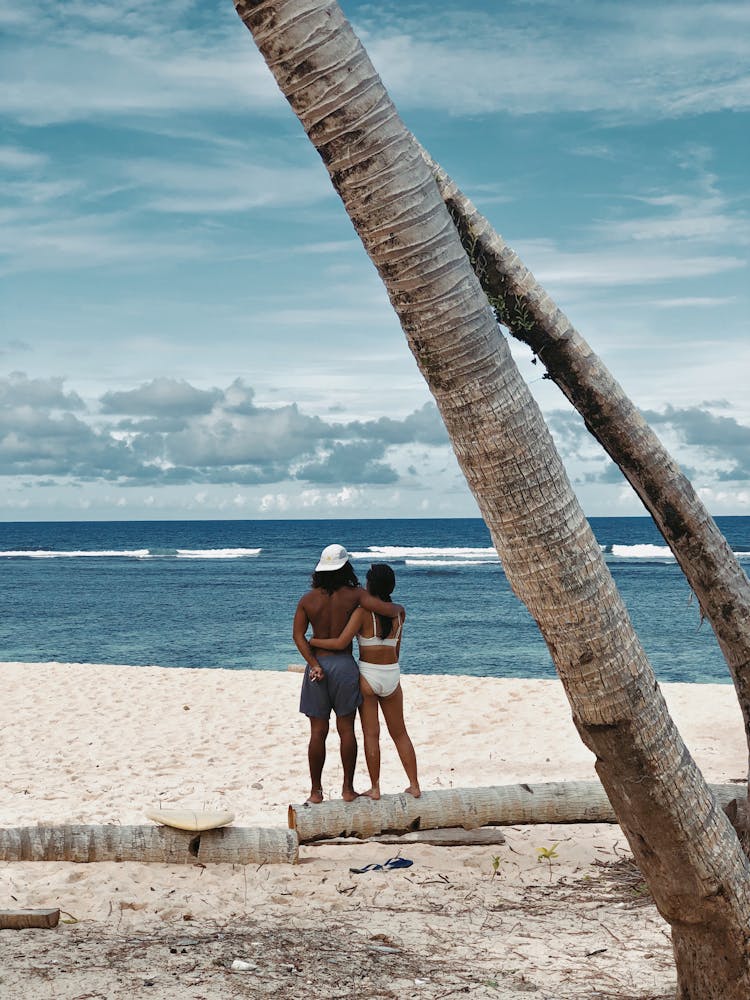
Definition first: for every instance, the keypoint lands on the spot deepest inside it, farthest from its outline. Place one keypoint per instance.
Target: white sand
(95, 744)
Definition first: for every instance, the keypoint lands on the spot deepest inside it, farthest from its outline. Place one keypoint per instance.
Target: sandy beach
(99, 744)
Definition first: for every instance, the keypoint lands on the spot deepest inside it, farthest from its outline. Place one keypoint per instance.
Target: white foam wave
(77, 554)
(217, 553)
(642, 552)
(128, 554)
(397, 553)
(442, 563)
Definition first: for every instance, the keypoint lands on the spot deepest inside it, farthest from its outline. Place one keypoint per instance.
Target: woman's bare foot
(349, 795)
(373, 793)
(414, 790)
(315, 796)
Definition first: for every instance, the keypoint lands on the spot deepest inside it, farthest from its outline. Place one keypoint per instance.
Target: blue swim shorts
(339, 689)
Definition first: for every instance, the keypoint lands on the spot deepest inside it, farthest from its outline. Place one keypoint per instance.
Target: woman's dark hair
(381, 581)
(334, 579)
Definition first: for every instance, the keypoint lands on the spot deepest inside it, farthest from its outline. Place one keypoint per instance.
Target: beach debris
(193, 820)
(390, 865)
(241, 965)
(17, 920)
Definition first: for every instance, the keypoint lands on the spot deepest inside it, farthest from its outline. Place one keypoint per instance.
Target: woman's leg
(393, 712)
(368, 714)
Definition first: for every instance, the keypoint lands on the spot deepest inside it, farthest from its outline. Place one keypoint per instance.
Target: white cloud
(614, 265)
(693, 302)
(228, 185)
(152, 60)
(624, 60)
(143, 60)
(15, 158)
(166, 431)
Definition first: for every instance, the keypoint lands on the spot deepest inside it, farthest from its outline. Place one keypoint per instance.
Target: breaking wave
(129, 553)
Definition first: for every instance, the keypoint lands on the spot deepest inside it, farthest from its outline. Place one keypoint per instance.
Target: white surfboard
(189, 819)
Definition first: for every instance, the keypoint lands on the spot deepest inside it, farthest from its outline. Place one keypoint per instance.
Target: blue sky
(189, 327)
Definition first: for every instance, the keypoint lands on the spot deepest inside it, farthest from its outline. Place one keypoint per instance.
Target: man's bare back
(329, 613)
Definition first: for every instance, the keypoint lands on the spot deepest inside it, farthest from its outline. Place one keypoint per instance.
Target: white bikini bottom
(383, 678)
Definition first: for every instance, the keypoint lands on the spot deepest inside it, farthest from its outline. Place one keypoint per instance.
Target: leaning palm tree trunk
(682, 841)
(162, 844)
(470, 808)
(522, 305)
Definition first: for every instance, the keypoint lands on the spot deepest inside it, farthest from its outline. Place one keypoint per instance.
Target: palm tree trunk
(682, 841)
(522, 305)
(470, 808)
(161, 844)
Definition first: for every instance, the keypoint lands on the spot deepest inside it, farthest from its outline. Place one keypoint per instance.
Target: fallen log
(19, 920)
(470, 808)
(455, 836)
(153, 844)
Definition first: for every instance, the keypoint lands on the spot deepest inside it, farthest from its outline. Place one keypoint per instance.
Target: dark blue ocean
(223, 593)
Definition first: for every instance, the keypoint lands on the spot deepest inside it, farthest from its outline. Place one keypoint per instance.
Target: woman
(379, 640)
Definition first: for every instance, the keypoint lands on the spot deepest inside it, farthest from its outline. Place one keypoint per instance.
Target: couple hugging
(340, 610)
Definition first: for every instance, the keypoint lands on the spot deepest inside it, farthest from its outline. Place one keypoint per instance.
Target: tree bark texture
(19, 920)
(522, 305)
(682, 841)
(160, 844)
(499, 805)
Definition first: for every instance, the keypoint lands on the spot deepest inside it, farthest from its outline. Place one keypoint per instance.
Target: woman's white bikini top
(375, 640)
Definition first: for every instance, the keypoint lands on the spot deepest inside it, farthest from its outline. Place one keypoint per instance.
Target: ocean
(223, 593)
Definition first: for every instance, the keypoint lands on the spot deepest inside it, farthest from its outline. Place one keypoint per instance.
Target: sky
(189, 327)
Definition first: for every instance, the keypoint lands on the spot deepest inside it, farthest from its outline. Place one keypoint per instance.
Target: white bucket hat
(332, 557)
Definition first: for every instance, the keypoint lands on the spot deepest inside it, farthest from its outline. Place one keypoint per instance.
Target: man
(334, 682)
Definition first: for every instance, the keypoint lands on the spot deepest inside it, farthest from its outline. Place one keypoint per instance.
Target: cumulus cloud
(160, 397)
(45, 393)
(38, 443)
(423, 426)
(350, 463)
(709, 446)
(722, 439)
(170, 432)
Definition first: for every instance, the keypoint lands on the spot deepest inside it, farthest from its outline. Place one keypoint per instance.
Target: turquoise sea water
(223, 593)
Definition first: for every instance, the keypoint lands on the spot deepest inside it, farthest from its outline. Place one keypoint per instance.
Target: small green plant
(495, 864)
(547, 854)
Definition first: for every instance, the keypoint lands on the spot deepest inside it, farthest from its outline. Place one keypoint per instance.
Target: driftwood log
(160, 844)
(500, 805)
(19, 920)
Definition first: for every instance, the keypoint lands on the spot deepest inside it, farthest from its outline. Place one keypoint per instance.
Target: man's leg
(316, 756)
(345, 726)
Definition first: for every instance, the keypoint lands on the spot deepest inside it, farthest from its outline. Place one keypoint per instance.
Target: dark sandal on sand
(389, 865)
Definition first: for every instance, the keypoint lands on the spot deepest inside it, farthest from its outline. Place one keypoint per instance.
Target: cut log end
(18, 920)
